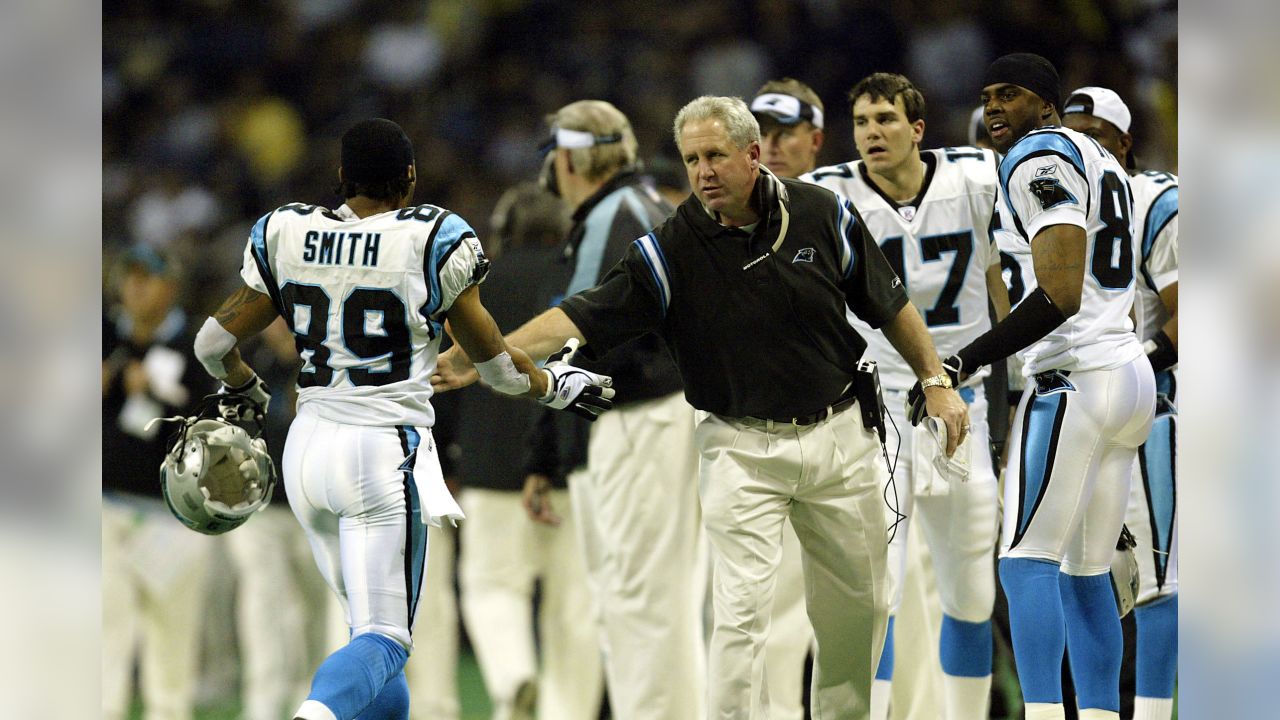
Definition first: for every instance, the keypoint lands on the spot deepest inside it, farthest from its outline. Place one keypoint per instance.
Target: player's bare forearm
(245, 313)
(479, 340)
(910, 337)
(1169, 296)
(997, 292)
(525, 364)
(545, 334)
(1058, 255)
(238, 371)
(473, 327)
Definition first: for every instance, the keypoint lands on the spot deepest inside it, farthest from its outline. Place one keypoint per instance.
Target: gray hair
(732, 112)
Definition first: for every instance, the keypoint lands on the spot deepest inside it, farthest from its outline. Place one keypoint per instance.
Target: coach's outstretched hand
(454, 371)
(583, 393)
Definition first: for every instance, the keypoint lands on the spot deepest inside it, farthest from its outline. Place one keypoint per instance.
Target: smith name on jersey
(366, 301)
(1057, 176)
(940, 244)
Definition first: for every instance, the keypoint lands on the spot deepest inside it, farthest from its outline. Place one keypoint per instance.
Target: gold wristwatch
(940, 380)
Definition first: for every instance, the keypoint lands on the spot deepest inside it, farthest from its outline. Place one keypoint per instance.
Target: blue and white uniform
(365, 299)
(1152, 515)
(1087, 407)
(941, 245)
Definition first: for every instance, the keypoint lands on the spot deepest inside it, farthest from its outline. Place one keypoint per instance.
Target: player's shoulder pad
(977, 166)
(1049, 141)
(832, 175)
(301, 210)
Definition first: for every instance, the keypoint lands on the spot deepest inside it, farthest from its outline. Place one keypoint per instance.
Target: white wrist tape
(500, 373)
(213, 342)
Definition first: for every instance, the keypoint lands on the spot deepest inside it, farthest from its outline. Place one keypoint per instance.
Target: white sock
(1045, 711)
(314, 710)
(1096, 714)
(880, 693)
(966, 697)
(1146, 708)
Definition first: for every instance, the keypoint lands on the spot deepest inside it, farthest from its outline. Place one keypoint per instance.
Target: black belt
(817, 417)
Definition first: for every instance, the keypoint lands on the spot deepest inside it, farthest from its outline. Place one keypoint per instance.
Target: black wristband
(1035, 317)
(1165, 355)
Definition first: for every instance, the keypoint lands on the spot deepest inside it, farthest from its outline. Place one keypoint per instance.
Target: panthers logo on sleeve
(1050, 192)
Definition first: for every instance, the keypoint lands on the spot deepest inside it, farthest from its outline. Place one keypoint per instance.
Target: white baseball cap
(1101, 103)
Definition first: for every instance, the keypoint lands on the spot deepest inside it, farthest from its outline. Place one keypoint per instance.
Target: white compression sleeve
(500, 373)
(212, 344)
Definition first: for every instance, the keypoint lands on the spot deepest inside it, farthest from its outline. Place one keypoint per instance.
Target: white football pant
(1074, 440)
(350, 487)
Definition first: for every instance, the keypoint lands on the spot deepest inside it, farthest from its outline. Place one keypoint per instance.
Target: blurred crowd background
(216, 111)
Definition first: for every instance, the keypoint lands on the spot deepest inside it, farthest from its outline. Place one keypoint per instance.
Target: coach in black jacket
(632, 473)
(749, 283)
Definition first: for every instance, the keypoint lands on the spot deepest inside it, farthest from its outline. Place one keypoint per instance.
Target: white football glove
(236, 409)
(579, 391)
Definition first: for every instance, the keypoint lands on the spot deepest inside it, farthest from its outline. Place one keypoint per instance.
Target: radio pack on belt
(866, 386)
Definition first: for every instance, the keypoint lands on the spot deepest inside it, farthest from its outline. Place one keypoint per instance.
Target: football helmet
(215, 475)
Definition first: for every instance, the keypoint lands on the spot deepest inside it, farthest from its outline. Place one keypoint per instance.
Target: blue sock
(885, 670)
(1095, 643)
(1157, 647)
(965, 647)
(1035, 619)
(392, 703)
(353, 676)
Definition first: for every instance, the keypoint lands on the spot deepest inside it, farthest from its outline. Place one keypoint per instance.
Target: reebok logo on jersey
(1046, 170)
(805, 255)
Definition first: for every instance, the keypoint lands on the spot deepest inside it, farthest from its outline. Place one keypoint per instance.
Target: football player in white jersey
(1090, 394)
(366, 290)
(1152, 515)
(931, 213)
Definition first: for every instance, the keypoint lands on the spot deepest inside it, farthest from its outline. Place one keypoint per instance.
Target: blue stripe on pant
(1157, 459)
(1040, 430)
(415, 531)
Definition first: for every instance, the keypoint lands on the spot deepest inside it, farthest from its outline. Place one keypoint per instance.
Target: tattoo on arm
(1058, 266)
(232, 306)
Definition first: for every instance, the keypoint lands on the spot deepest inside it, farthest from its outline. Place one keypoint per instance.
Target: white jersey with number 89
(1057, 176)
(365, 299)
